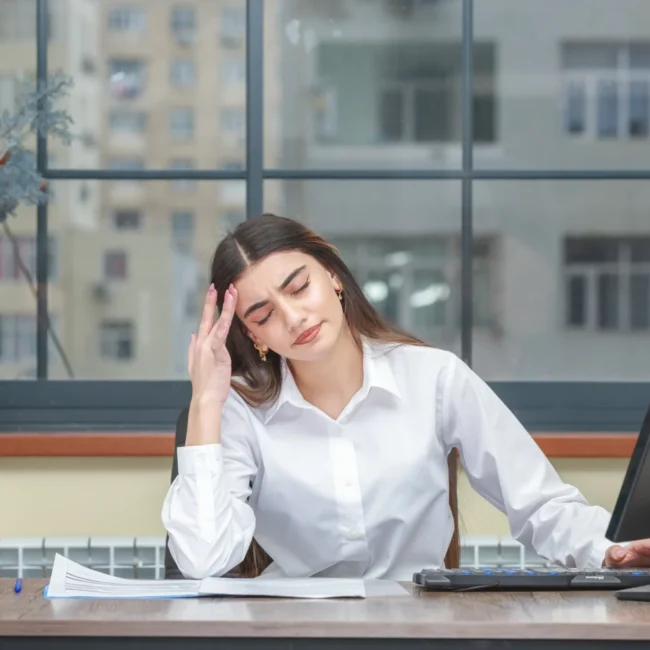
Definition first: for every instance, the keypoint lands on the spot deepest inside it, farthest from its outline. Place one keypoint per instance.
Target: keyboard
(533, 579)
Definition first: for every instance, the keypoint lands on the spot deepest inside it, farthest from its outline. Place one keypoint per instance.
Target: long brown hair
(252, 241)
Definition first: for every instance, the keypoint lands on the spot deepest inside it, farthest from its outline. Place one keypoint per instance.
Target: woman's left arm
(505, 465)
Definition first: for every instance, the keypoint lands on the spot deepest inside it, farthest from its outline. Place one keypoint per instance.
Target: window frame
(106, 406)
(622, 75)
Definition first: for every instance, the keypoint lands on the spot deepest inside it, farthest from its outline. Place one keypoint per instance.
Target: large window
(486, 179)
(608, 283)
(607, 88)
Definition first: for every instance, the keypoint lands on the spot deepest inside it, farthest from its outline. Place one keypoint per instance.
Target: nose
(293, 316)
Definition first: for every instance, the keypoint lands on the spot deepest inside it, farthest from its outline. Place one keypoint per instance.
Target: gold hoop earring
(261, 352)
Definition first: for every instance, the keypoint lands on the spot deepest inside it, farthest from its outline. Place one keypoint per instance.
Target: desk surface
(566, 616)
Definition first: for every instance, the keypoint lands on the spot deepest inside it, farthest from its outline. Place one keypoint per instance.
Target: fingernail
(211, 290)
(620, 554)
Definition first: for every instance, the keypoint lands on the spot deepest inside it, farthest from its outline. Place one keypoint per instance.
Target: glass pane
(562, 297)
(607, 109)
(17, 300)
(383, 290)
(576, 108)
(576, 297)
(140, 90)
(128, 289)
(572, 90)
(349, 82)
(640, 302)
(640, 249)
(401, 245)
(429, 301)
(639, 105)
(17, 231)
(608, 301)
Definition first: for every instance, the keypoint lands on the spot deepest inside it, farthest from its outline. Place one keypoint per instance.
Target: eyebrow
(285, 282)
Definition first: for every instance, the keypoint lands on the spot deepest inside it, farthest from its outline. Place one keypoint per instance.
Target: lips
(308, 335)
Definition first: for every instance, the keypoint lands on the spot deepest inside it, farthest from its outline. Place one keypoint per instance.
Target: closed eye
(265, 319)
(301, 289)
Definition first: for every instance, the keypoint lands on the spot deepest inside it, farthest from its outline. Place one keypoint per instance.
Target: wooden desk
(452, 621)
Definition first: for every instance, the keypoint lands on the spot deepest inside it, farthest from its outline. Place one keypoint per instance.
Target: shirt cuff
(195, 459)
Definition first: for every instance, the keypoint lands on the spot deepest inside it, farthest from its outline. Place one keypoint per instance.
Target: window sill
(138, 444)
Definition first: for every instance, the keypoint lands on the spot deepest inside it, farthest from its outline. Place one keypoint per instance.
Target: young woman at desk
(324, 433)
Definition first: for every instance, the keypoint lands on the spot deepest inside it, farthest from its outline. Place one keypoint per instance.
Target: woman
(325, 433)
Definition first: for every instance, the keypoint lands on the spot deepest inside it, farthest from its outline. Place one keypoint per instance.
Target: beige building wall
(165, 278)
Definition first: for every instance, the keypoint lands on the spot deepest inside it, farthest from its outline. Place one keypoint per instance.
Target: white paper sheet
(72, 580)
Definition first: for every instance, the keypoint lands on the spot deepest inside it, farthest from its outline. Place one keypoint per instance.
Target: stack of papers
(72, 580)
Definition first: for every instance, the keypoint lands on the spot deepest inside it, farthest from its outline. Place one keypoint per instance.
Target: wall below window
(123, 496)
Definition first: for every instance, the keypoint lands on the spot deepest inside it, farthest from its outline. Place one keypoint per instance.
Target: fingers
(222, 326)
(190, 353)
(616, 556)
(209, 310)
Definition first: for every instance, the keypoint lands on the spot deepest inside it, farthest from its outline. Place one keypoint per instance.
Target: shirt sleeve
(206, 512)
(505, 465)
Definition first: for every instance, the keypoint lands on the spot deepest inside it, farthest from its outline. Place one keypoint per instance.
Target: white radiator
(144, 557)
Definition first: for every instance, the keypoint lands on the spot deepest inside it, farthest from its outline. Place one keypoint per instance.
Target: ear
(336, 283)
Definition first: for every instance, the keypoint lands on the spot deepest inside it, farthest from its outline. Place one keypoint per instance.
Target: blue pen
(19, 585)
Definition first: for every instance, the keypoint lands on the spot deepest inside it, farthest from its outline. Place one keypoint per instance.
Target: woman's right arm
(205, 512)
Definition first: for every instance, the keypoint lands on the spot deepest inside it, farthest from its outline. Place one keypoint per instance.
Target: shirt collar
(377, 374)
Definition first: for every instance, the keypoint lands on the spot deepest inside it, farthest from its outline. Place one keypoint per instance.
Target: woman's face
(288, 303)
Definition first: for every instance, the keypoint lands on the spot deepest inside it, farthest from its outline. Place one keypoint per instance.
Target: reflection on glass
(429, 300)
(128, 278)
(570, 94)
(138, 90)
(403, 250)
(573, 289)
(348, 97)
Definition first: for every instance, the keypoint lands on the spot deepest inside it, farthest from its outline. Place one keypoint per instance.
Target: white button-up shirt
(367, 494)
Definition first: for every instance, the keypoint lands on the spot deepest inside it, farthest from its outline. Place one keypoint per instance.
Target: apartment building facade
(157, 85)
(561, 267)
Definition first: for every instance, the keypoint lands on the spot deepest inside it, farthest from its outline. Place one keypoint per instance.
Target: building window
(17, 338)
(182, 123)
(127, 220)
(115, 265)
(606, 90)
(116, 340)
(233, 26)
(607, 283)
(10, 263)
(125, 164)
(126, 78)
(126, 18)
(415, 283)
(233, 71)
(125, 121)
(232, 165)
(183, 73)
(183, 22)
(233, 121)
(182, 164)
(182, 224)
(414, 99)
